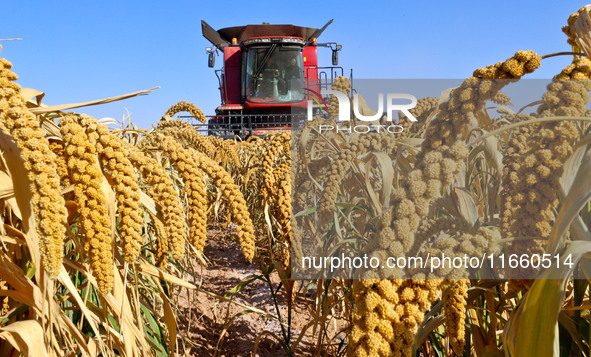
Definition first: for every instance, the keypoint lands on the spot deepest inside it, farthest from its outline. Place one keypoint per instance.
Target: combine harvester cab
(268, 75)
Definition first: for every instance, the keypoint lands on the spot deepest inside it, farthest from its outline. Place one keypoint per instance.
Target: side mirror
(211, 60)
(335, 58)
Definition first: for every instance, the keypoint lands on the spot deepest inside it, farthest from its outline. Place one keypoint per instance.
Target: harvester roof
(223, 37)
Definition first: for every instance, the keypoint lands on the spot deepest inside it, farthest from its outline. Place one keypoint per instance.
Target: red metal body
(230, 86)
(310, 57)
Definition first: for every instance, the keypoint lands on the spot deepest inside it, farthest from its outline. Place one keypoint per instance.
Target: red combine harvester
(269, 74)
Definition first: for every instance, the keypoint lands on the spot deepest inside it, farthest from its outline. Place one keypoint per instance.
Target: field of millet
(123, 241)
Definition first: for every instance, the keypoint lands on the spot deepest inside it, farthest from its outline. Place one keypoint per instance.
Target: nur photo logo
(345, 109)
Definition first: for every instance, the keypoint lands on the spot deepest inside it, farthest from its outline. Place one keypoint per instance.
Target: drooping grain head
(38, 159)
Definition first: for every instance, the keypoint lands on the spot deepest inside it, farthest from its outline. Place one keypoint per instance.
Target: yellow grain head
(40, 164)
(454, 297)
(234, 201)
(194, 185)
(183, 106)
(161, 189)
(161, 248)
(115, 160)
(87, 178)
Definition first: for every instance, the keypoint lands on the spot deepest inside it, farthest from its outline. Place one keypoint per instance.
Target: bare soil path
(203, 318)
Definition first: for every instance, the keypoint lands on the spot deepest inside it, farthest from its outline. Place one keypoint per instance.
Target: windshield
(274, 74)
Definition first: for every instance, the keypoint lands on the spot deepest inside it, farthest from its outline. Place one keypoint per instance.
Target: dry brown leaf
(493, 155)
(32, 97)
(155, 272)
(462, 199)
(12, 157)
(169, 320)
(57, 108)
(26, 336)
(576, 199)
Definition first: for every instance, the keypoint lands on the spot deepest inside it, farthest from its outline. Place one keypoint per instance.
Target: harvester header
(239, 34)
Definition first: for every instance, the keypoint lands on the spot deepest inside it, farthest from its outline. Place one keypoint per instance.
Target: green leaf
(249, 279)
(152, 323)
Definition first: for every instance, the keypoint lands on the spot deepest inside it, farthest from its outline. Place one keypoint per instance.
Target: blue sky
(80, 51)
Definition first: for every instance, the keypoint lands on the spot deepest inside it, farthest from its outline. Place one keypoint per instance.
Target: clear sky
(85, 50)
